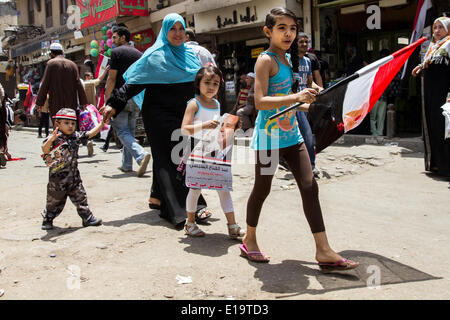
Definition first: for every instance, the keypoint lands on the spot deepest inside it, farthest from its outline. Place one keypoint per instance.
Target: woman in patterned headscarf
(436, 68)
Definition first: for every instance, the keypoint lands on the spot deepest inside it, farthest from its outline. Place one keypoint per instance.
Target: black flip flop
(200, 212)
(154, 206)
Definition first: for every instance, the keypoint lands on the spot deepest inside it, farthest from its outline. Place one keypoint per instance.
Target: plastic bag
(90, 117)
(446, 113)
(86, 121)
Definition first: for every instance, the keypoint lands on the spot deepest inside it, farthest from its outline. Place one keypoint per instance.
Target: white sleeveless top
(205, 114)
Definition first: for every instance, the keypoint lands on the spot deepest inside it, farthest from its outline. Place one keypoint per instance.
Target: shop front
(353, 33)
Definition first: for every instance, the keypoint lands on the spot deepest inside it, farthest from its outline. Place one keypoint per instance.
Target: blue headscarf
(163, 62)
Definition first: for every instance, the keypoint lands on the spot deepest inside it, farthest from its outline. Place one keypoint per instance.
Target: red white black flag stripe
(422, 23)
(342, 107)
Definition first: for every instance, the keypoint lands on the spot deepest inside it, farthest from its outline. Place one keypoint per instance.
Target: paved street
(380, 208)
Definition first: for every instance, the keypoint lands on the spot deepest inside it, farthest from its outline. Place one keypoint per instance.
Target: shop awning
(337, 3)
(199, 6)
(73, 49)
(35, 44)
(42, 58)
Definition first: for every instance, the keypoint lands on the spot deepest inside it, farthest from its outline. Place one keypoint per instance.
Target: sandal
(337, 266)
(192, 229)
(154, 206)
(202, 215)
(251, 255)
(234, 231)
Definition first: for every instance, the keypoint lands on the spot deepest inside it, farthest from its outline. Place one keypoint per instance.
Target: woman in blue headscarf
(161, 82)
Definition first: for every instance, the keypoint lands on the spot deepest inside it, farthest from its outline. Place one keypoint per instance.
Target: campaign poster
(209, 164)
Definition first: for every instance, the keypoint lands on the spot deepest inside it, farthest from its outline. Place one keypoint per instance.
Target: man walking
(203, 54)
(61, 82)
(124, 123)
(246, 111)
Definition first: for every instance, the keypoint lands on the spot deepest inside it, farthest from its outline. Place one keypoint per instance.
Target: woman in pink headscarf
(436, 68)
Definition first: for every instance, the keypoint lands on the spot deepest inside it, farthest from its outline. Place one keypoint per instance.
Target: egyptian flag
(101, 65)
(101, 98)
(343, 106)
(28, 96)
(422, 27)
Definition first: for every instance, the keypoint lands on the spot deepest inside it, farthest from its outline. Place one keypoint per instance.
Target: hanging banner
(96, 11)
(143, 39)
(133, 7)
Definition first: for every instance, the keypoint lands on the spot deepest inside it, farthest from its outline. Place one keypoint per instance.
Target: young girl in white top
(202, 113)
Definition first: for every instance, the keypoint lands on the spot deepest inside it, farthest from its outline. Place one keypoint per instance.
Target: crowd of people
(174, 84)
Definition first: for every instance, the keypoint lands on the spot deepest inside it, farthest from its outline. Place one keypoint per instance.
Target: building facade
(363, 28)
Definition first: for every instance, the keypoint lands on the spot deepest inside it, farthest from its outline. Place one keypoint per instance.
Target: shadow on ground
(212, 245)
(91, 161)
(150, 217)
(54, 233)
(293, 277)
(125, 175)
(436, 176)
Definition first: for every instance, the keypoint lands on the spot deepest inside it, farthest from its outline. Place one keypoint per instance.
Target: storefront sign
(197, 6)
(133, 7)
(234, 20)
(45, 45)
(229, 86)
(256, 52)
(235, 16)
(143, 39)
(95, 11)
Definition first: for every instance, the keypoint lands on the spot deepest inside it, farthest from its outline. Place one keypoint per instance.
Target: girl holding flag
(280, 137)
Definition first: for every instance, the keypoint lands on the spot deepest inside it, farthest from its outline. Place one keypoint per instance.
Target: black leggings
(43, 123)
(298, 160)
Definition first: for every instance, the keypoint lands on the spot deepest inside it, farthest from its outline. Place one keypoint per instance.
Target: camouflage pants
(57, 196)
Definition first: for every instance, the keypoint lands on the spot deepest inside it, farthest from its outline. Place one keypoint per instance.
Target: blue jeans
(306, 132)
(377, 116)
(124, 124)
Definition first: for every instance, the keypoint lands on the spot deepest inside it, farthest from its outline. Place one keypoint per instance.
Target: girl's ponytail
(295, 62)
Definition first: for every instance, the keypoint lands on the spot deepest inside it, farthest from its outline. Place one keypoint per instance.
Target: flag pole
(334, 86)
(357, 74)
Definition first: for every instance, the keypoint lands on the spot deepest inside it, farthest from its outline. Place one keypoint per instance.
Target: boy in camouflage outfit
(61, 154)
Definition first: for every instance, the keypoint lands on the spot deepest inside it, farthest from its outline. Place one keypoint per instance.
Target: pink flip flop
(250, 255)
(337, 266)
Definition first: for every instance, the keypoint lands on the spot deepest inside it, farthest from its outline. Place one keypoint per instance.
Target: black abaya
(437, 149)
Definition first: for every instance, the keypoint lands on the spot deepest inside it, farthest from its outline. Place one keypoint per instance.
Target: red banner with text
(133, 7)
(96, 11)
(143, 39)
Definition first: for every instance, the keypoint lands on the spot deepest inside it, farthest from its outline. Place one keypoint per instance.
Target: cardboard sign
(209, 164)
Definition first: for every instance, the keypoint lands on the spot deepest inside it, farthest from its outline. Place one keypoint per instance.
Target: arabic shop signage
(96, 11)
(248, 17)
(236, 16)
(133, 7)
(143, 39)
(256, 52)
